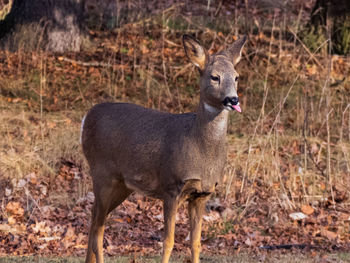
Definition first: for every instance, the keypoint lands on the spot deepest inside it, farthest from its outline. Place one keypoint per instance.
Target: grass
(276, 257)
(37, 144)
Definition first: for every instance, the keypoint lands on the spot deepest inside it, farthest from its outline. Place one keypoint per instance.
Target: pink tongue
(237, 108)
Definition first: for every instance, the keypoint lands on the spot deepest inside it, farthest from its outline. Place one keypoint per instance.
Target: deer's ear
(194, 51)
(235, 50)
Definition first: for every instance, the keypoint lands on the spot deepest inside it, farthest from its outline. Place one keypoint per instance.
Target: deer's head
(219, 78)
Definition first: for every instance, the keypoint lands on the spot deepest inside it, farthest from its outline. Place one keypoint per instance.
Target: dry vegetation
(289, 149)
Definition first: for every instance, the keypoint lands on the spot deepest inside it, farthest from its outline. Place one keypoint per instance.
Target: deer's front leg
(196, 210)
(170, 209)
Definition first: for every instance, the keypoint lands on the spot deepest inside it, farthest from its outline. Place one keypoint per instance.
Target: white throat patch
(219, 122)
(210, 108)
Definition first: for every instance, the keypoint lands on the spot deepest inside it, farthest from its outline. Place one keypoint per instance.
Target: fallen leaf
(307, 210)
(297, 216)
(32, 178)
(80, 246)
(344, 217)
(15, 208)
(41, 227)
(5, 227)
(158, 217)
(311, 69)
(11, 220)
(43, 189)
(48, 239)
(212, 216)
(43, 246)
(248, 242)
(8, 192)
(119, 220)
(21, 183)
(329, 234)
(51, 125)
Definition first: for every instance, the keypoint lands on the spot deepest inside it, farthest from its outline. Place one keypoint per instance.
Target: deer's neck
(211, 124)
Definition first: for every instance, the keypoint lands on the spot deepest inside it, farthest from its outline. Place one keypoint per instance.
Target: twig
(342, 122)
(143, 21)
(86, 64)
(26, 190)
(266, 89)
(289, 246)
(246, 17)
(182, 71)
(163, 62)
(204, 29)
(349, 126)
(218, 9)
(305, 47)
(208, 5)
(328, 102)
(228, 186)
(308, 150)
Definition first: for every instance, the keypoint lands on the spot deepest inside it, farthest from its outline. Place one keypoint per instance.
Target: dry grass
(240, 258)
(36, 144)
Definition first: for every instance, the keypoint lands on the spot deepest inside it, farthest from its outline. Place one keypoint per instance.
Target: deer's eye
(215, 78)
(236, 79)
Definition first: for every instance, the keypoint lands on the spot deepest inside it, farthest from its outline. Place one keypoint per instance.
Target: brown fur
(172, 157)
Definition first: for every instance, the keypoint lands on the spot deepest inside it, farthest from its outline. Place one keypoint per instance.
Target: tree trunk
(53, 25)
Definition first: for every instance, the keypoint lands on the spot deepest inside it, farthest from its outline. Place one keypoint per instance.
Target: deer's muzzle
(232, 103)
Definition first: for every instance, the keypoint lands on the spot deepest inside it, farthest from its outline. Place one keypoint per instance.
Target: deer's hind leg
(109, 193)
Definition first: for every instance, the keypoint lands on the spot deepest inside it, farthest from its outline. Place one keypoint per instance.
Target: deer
(172, 157)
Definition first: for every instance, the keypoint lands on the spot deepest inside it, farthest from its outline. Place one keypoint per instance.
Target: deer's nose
(232, 103)
(231, 100)
(234, 100)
